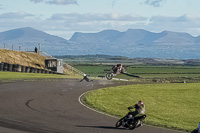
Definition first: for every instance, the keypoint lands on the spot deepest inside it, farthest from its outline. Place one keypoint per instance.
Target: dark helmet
(140, 102)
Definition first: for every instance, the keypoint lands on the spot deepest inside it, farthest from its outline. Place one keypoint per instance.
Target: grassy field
(174, 106)
(148, 73)
(7, 76)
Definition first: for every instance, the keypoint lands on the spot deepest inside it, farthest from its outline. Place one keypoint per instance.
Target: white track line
(120, 79)
(79, 99)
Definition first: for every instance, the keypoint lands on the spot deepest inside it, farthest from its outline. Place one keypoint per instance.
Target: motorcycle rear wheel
(133, 125)
(118, 124)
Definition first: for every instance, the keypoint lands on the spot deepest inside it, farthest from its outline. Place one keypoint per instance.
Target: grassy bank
(22, 58)
(174, 106)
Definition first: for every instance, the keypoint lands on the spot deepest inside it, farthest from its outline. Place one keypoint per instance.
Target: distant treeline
(141, 61)
(97, 56)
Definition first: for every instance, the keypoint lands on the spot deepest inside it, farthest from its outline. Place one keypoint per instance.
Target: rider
(85, 77)
(117, 69)
(139, 110)
(114, 68)
(197, 130)
(119, 66)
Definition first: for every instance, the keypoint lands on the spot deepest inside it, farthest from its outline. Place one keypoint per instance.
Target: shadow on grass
(127, 74)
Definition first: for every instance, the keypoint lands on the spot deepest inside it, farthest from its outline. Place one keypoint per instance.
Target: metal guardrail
(24, 69)
(73, 69)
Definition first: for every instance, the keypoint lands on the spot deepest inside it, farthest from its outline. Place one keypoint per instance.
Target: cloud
(114, 2)
(154, 3)
(1, 6)
(37, 1)
(188, 18)
(15, 15)
(62, 2)
(185, 23)
(64, 25)
(56, 2)
(97, 17)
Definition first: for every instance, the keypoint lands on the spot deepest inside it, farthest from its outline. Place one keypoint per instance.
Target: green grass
(149, 73)
(174, 106)
(91, 70)
(5, 76)
(164, 69)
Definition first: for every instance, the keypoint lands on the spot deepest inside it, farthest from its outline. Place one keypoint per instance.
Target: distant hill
(29, 38)
(134, 36)
(139, 43)
(131, 43)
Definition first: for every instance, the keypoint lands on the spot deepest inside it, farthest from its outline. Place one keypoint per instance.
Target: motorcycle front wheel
(109, 76)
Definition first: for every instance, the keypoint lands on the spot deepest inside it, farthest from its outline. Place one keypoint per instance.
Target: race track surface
(53, 107)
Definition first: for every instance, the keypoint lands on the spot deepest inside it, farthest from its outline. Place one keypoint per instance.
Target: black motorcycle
(110, 73)
(129, 121)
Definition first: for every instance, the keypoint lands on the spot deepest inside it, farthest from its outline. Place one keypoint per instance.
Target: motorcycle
(129, 121)
(110, 74)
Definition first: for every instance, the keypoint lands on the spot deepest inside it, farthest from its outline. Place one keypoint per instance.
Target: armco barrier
(27, 70)
(10, 66)
(1, 66)
(38, 70)
(23, 69)
(14, 68)
(46, 71)
(32, 70)
(19, 68)
(43, 71)
(5, 67)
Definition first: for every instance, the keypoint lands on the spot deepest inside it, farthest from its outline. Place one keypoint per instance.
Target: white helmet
(84, 75)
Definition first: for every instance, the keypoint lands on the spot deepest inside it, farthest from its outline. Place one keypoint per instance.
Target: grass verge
(7, 76)
(174, 106)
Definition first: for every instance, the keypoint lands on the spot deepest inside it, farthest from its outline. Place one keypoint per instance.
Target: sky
(65, 17)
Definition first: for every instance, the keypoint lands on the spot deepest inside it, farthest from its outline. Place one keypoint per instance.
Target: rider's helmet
(198, 125)
(140, 102)
(119, 65)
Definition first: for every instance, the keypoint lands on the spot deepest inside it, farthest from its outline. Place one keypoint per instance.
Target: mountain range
(131, 43)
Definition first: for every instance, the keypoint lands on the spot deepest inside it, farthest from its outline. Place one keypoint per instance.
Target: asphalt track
(53, 107)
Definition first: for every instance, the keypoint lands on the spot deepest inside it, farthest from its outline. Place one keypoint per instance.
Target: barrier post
(5, 67)
(10, 67)
(1, 66)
